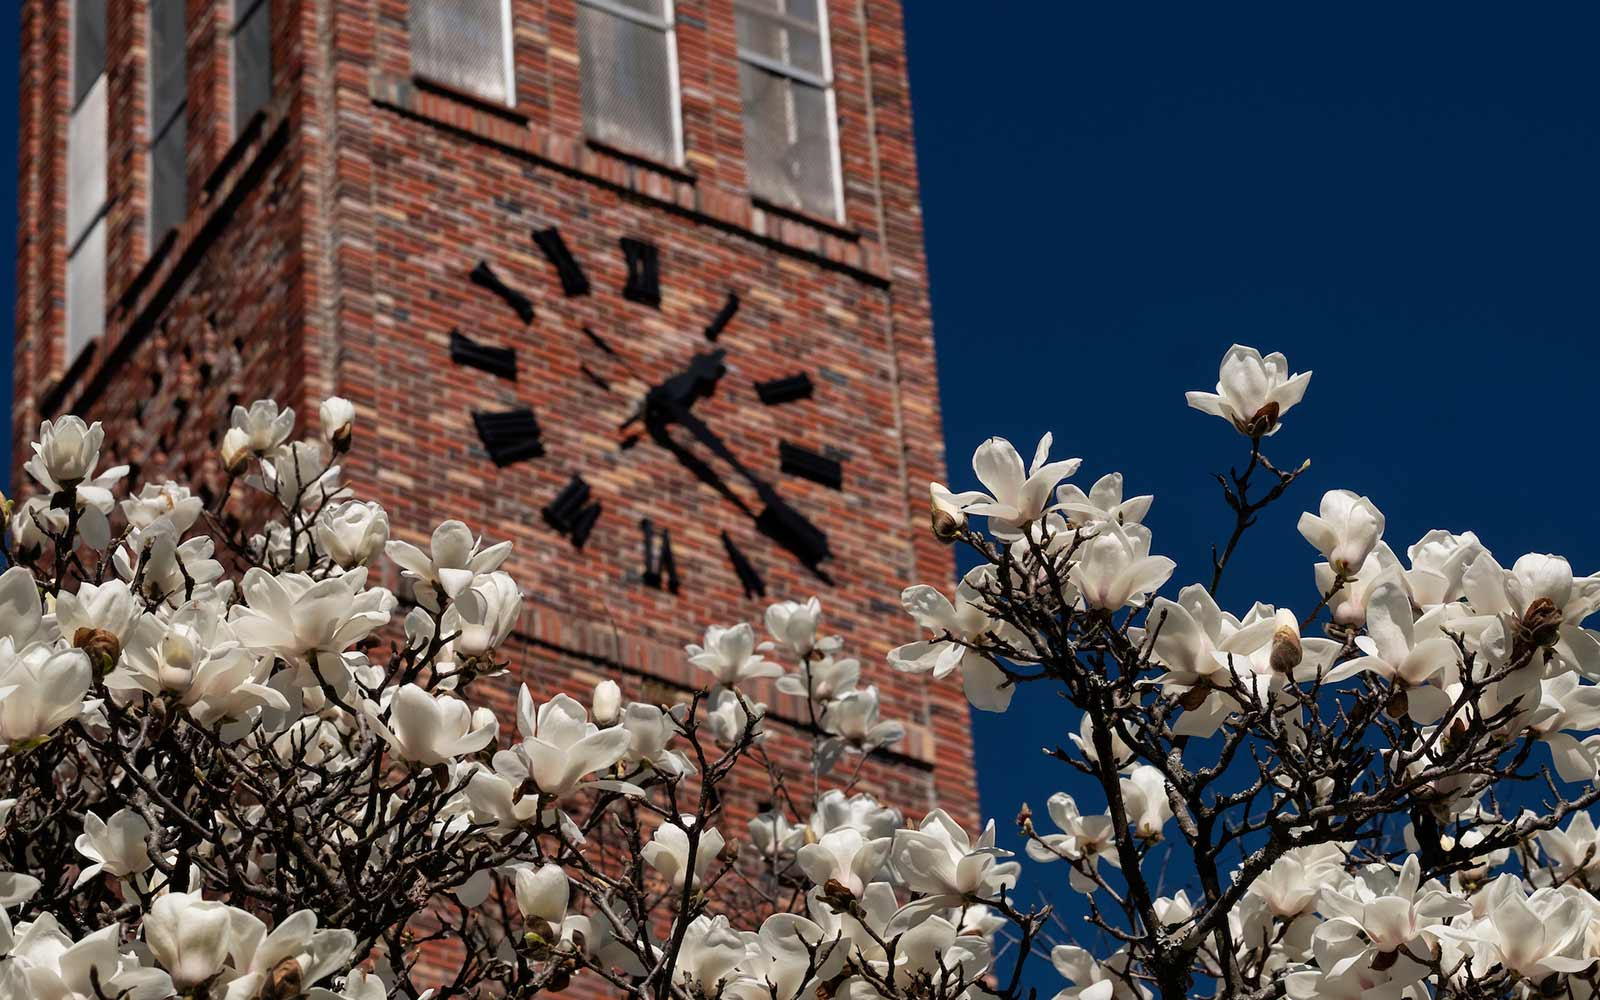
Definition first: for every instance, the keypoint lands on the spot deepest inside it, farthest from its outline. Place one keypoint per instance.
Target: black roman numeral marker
(749, 579)
(573, 280)
(720, 321)
(785, 390)
(807, 464)
(660, 568)
(483, 276)
(644, 272)
(501, 361)
(572, 513)
(509, 436)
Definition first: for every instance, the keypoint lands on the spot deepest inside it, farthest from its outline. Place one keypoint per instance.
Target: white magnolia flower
(63, 462)
(190, 937)
(939, 860)
(606, 704)
(773, 836)
(21, 612)
(847, 856)
(821, 678)
(1092, 979)
(486, 612)
(729, 655)
(452, 563)
(1084, 841)
(957, 626)
(430, 729)
(1388, 911)
(353, 533)
(307, 622)
(1115, 569)
(263, 426)
(649, 731)
(852, 721)
(1535, 936)
(793, 627)
(1415, 654)
(1144, 793)
(1103, 503)
(116, 847)
(861, 812)
(1017, 495)
(41, 689)
(1539, 597)
(561, 748)
(168, 502)
(1575, 849)
(672, 855)
(1345, 529)
(337, 416)
(543, 895)
(1253, 393)
(1439, 561)
(1296, 880)
(295, 952)
(727, 718)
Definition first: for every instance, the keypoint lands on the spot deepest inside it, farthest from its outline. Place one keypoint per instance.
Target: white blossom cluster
(236, 767)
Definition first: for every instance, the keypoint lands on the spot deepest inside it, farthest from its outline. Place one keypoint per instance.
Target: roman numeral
(484, 277)
(644, 272)
(807, 464)
(785, 390)
(510, 435)
(660, 568)
(572, 513)
(501, 361)
(573, 280)
(720, 321)
(749, 579)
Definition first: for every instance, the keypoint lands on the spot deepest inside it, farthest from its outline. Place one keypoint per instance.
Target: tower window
(169, 101)
(791, 142)
(86, 179)
(252, 58)
(628, 62)
(464, 44)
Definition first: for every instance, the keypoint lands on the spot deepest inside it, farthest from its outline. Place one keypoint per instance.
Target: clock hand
(683, 389)
(780, 521)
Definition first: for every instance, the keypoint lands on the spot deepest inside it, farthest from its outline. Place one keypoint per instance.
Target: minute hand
(681, 414)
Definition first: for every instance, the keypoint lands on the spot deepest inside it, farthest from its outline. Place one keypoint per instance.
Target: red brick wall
(328, 249)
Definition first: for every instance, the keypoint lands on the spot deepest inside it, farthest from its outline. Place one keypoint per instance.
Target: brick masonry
(327, 250)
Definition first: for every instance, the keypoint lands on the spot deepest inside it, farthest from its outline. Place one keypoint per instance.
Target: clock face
(655, 407)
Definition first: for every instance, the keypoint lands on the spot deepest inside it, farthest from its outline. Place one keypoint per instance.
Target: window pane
(169, 83)
(788, 142)
(86, 291)
(252, 61)
(783, 32)
(168, 197)
(629, 99)
(88, 46)
(462, 44)
(86, 161)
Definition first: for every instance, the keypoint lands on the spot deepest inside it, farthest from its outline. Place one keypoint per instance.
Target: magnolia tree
(234, 768)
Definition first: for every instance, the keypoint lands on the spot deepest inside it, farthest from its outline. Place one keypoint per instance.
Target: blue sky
(1402, 198)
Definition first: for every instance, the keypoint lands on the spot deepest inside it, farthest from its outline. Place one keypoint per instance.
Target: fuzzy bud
(103, 647)
(1286, 651)
(338, 418)
(235, 450)
(284, 982)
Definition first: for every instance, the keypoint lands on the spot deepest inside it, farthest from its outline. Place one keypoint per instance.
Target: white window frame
(508, 50)
(824, 82)
(667, 24)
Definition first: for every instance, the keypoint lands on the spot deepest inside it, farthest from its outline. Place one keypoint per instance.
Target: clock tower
(636, 284)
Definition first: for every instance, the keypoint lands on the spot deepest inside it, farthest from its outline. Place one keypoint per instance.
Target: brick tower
(498, 226)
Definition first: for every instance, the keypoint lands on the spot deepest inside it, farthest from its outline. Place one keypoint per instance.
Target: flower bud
(607, 702)
(103, 647)
(1541, 623)
(284, 982)
(729, 853)
(338, 419)
(1262, 423)
(946, 515)
(1286, 651)
(235, 450)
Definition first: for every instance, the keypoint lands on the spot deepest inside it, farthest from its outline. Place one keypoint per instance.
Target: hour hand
(675, 394)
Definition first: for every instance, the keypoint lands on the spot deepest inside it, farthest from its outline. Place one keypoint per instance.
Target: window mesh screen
(785, 32)
(86, 291)
(168, 190)
(788, 141)
(252, 59)
(88, 46)
(461, 44)
(629, 94)
(86, 161)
